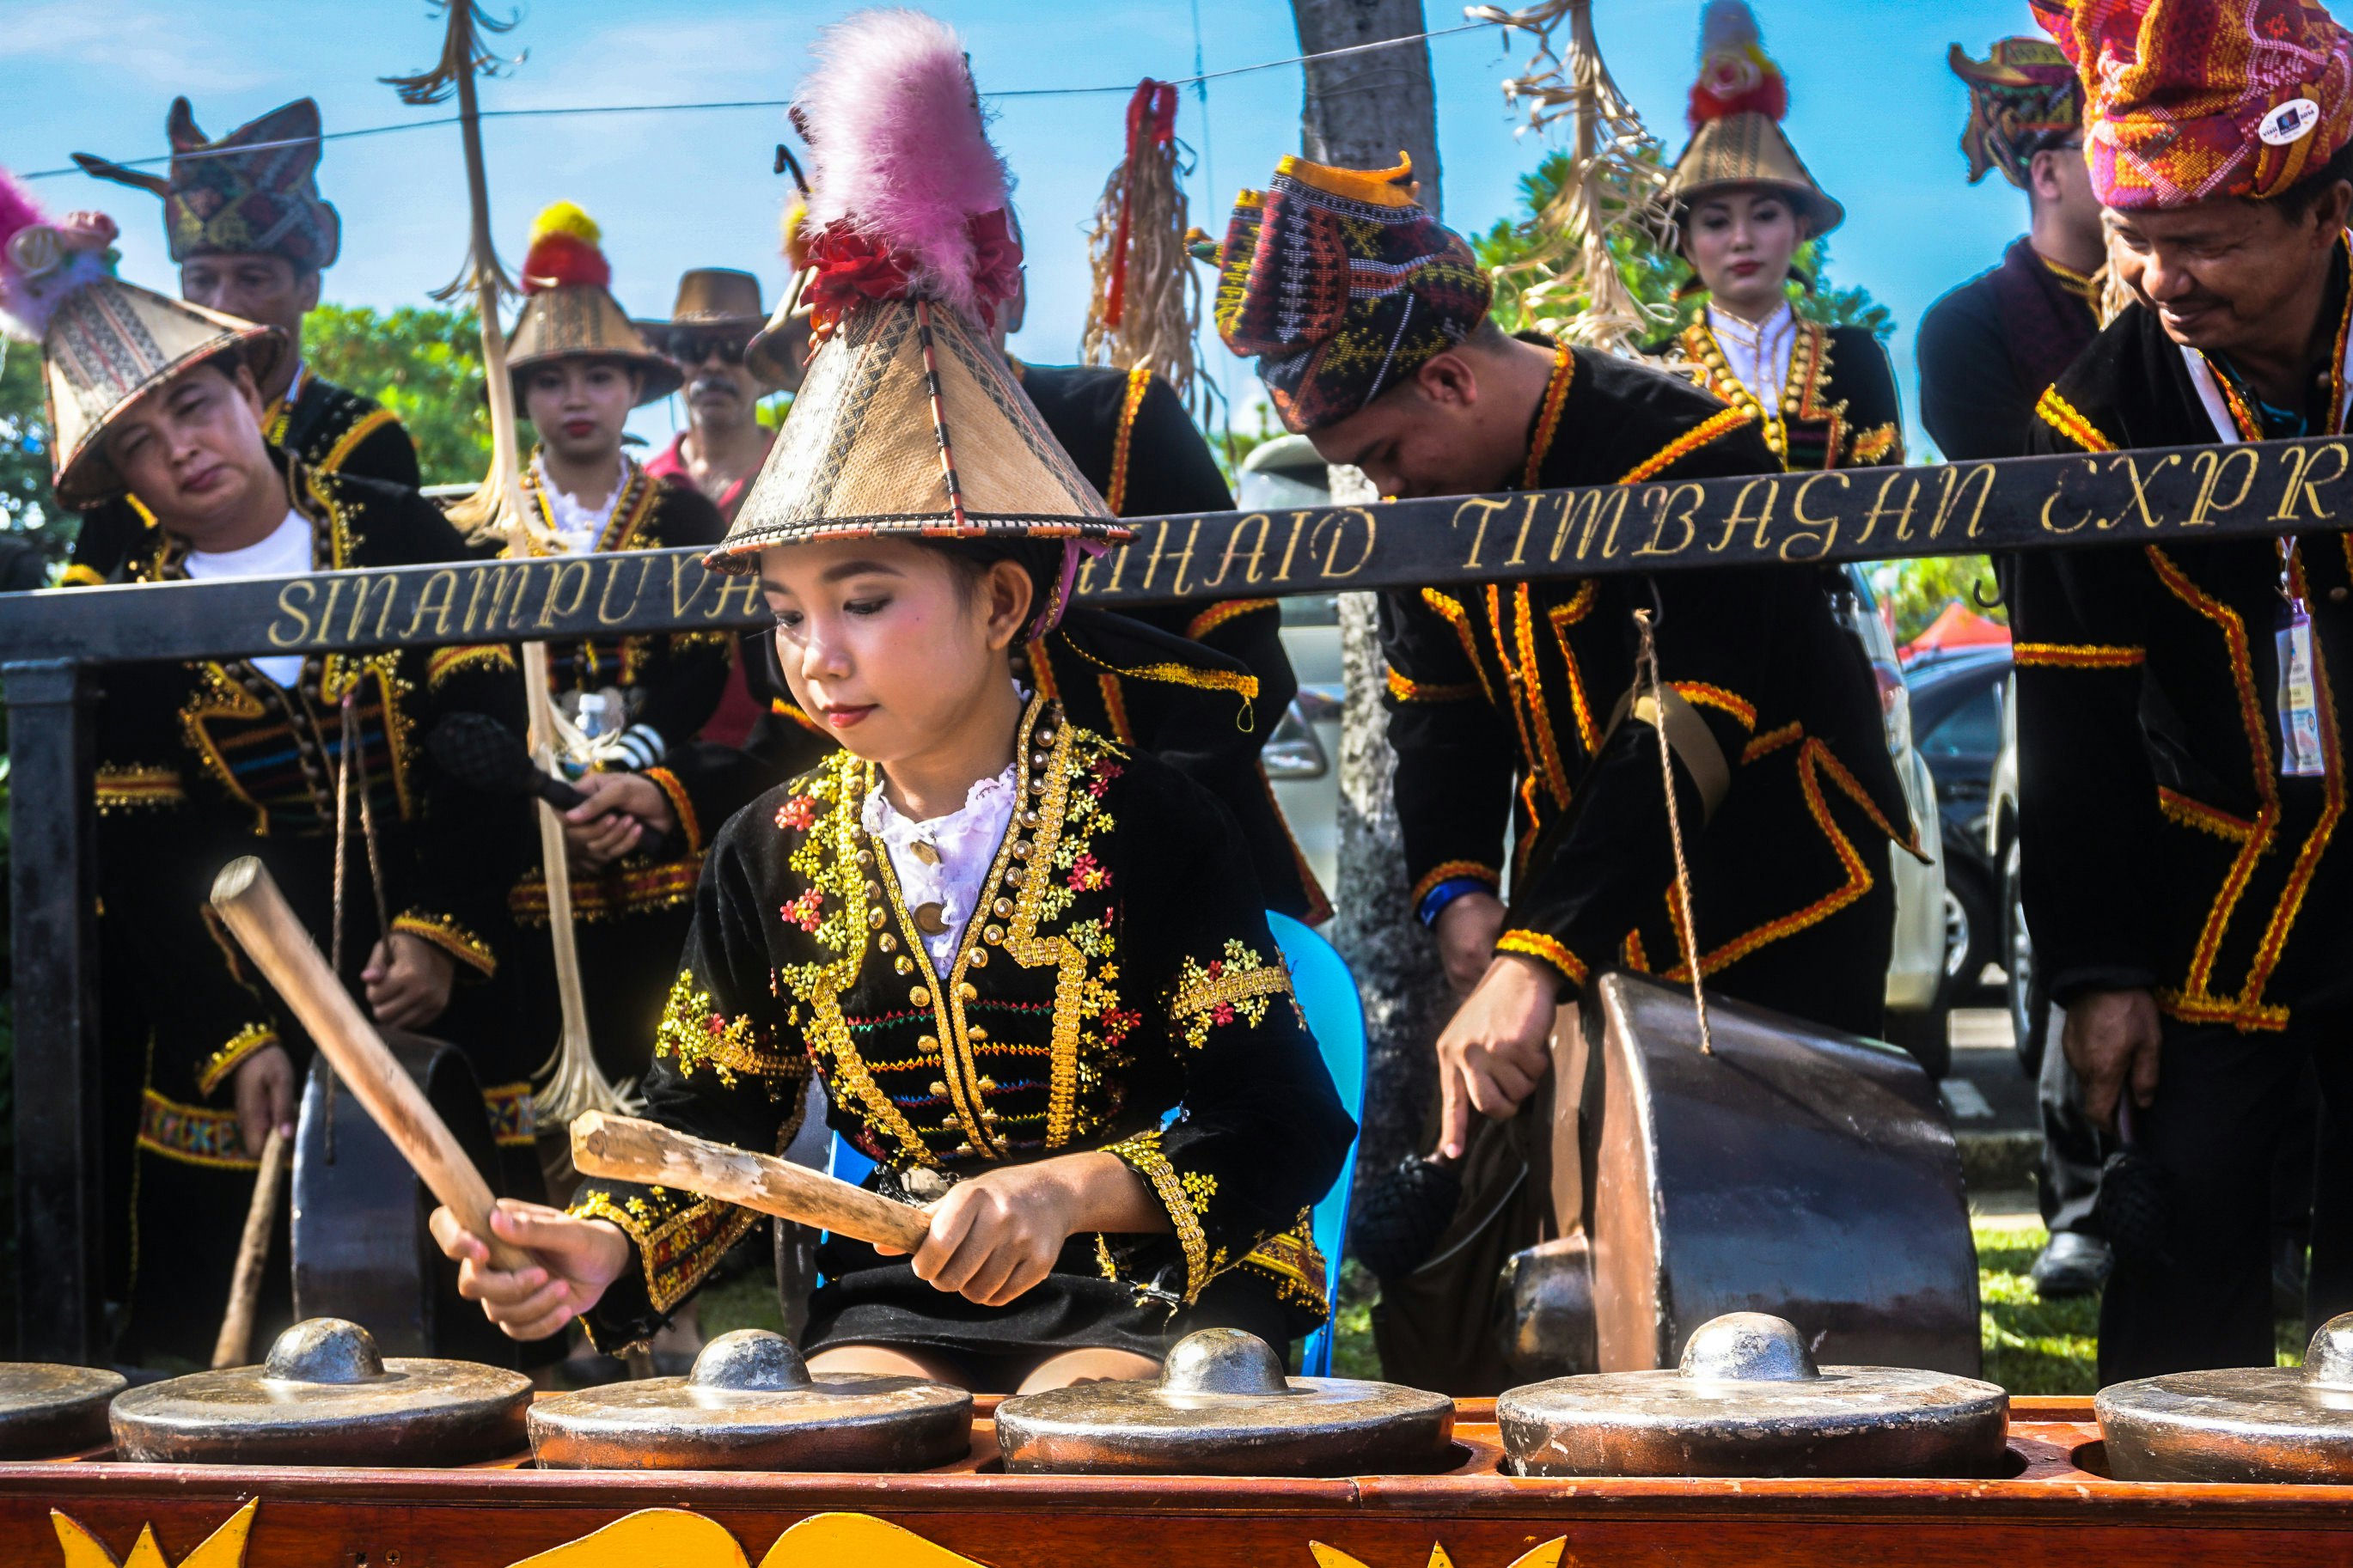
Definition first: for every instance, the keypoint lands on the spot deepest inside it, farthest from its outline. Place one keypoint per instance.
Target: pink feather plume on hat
(42, 260)
(901, 153)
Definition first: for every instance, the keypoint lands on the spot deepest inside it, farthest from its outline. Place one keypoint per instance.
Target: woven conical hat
(863, 452)
(1751, 149)
(108, 344)
(581, 321)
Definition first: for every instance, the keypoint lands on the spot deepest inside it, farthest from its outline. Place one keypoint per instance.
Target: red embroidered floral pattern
(803, 911)
(1088, 875)
(797, 814)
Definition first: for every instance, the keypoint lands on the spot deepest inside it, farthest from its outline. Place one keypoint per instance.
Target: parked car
(2030, 1014)
(1919, 1003)
(1958, 701)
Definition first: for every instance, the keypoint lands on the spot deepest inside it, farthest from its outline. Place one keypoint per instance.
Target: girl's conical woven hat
(105, 343)
(1736, 114)
(569, 311)
(910, 421)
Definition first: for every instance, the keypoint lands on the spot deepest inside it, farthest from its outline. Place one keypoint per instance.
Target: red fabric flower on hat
(849, 269)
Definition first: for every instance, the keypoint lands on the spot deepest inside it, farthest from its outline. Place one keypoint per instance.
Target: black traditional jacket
(1839, 409)
(1122, 969)
(669, 682)
(202, 761)
(1988, 348)
(1504, 708)
(1130, 435)
(2162, 847)
(327, 428)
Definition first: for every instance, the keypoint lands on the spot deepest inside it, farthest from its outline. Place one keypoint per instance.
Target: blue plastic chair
(1327, 995)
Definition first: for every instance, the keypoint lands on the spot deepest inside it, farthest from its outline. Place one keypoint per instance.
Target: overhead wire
(1198, 80)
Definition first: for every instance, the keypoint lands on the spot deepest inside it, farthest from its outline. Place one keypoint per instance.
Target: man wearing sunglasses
(724, 444)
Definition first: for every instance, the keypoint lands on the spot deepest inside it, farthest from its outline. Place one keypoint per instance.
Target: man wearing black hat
(244, 218)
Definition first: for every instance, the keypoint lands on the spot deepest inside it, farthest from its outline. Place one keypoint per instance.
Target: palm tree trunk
(1361, 110)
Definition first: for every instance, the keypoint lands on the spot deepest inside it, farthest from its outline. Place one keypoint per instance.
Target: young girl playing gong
(1007, 947)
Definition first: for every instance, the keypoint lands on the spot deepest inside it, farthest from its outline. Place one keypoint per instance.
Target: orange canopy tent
(1956, 626)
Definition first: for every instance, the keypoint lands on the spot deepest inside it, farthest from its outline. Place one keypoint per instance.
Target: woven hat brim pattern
(1749, 151)
(111, 344)
(583, 322)
(2177, 92)
(1341, 300)
(859, 455)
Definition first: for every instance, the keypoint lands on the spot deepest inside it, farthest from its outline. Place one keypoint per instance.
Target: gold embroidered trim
(232, 1056)
(675, 1251)
(680, 803)
(514, 1120)
(362, 428)
(1536, 945)
(1141, 1154)
(1216, 616)
(2076, 656)
(610, 896)
(1139, 382)
(451, 938)
(125, 789)
(1239, 984)
(2064, 417)
(192, 1134)
(1296, 1265)
(446, 662)
(1406, 690)
(1715, 426)
(1447, 871)
(694, 1034)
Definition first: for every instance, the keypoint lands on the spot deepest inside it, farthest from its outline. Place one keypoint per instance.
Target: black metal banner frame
(49, 640)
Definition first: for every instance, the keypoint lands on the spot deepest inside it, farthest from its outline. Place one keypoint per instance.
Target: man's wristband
(1434, 902)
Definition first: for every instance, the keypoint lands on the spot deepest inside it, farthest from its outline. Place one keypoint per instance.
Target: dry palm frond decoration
(1148, 299)
(1615, 174)
(571, 1080)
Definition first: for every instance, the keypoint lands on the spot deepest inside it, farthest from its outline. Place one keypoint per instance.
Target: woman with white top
(1823, 396)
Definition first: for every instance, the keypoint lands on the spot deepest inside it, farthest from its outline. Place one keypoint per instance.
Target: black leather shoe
(2072, 1264)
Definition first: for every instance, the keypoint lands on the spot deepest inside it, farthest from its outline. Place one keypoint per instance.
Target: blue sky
(1873, 110)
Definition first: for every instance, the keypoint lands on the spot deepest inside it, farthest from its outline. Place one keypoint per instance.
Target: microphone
(483, 754)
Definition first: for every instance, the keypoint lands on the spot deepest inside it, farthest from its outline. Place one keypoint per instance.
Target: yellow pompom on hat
(568, 309)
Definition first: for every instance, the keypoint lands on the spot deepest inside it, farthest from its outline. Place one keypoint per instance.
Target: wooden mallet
(623, 1148)
(252, 907)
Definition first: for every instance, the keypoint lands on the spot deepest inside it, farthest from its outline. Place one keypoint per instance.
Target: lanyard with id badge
(2297, 703)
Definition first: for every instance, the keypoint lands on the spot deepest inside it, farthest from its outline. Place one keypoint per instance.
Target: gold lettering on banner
(1118, 566)
(1879, 507)
(1520, 544)
(2139, 486)
(1957, 484)
(1160, 549)
(749, 586)
(1486, 508)
(578, 572)
(361, 588)
(1184, 557)
(2211, 465)
(2089, 518)
(682, 566)
(1290, 545)
(2302, 486)
(287, 606)
(446, 581)
(327, 616)
(1338, 522)
(1666, 498)
(1737, 519)
(1234, 550)
(1591, 505)
(506, 583)
(1823, 540)
(613, 565)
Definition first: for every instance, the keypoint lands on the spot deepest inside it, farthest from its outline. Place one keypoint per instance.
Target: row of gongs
(1748, 1400)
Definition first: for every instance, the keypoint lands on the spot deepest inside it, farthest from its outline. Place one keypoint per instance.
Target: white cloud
(164, 44)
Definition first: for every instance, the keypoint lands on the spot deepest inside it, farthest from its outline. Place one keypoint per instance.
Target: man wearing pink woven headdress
(2183, 760)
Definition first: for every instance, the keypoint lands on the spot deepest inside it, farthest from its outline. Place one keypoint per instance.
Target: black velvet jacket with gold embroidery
(1122, 968)
(1504, 708)
(2162, 847)
(207, 759)
(669, 682)
(327, 428)
(1840, 409)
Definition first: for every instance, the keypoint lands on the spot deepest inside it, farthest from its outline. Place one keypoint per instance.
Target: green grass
(2032, 1346)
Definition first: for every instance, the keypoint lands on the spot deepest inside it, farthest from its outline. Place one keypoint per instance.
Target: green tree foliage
(1918, 590)
(1654, 275)
(25, 507)
(425, 364)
